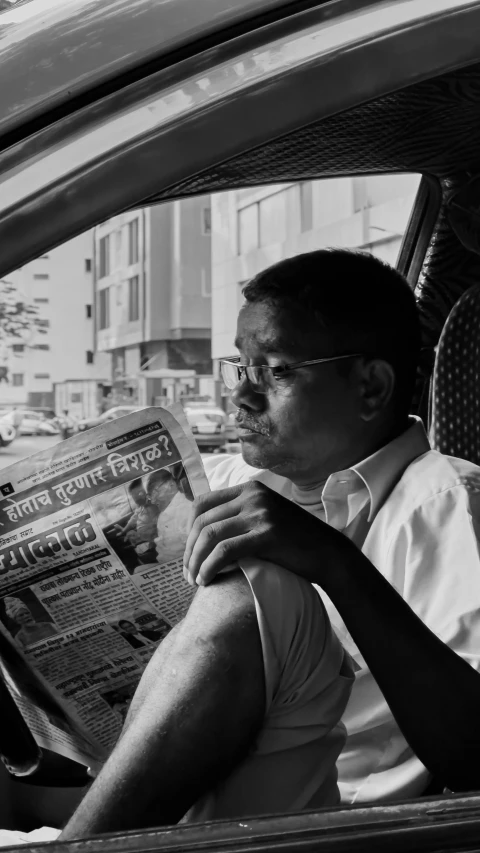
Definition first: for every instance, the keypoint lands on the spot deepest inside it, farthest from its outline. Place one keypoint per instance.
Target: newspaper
(92, 534)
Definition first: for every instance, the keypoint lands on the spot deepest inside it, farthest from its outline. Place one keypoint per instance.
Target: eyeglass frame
(279, 370)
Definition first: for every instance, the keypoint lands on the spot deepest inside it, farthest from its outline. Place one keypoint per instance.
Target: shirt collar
(382, 470)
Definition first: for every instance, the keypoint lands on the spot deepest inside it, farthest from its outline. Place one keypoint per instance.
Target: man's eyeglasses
(262, 377)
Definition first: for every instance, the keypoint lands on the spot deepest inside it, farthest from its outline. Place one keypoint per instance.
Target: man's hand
(251, 520)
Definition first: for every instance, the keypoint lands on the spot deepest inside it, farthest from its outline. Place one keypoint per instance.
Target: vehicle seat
(455, 427)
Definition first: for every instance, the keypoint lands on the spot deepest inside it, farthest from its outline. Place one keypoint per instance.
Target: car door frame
(125, 148)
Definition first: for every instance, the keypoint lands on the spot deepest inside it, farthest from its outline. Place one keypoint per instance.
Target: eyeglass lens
(258, 377)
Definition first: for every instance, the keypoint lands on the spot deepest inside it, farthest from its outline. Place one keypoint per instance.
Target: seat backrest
(455, 426)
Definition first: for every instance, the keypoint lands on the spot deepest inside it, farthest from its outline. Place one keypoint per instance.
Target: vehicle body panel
(447, 824)
(179, 121)
(54, 51)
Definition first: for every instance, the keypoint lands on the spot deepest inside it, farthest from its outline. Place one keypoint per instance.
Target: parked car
(231, 431)
(35, 423)
(12, 415)
(109, 415)
(8, 430)
(41, 411)
(208, 424)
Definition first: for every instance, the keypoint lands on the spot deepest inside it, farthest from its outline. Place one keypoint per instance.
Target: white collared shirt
(416, 515)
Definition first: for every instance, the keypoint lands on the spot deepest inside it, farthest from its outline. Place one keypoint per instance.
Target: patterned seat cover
(455, 427)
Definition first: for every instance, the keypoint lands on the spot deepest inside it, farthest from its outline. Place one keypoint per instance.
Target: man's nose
(244, 396)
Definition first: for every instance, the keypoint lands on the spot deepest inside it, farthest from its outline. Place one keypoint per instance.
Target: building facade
(254, 228)
(153, 298)
(60, 346)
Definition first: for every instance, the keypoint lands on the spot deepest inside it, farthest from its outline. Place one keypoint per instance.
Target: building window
(104, 257)
(248, 231)
(76, 397)
(89, 356)
(17, 379)
(206, 283)
(41, 376)
(133, 242)
(206, 221)
(41, 276)
(133, 299)
(18, 348)
(118, 248)
(88, 264)
(273, 219)
(306, 206)
(88, 309)
(44, 347)
(104, 308)
(41, 301)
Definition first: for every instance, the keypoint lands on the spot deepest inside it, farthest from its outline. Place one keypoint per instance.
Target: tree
(18, 319)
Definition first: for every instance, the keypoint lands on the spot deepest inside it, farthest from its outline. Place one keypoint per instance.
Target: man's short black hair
(362, 302)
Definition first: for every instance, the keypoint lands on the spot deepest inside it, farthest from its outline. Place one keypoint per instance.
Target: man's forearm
(433, 693)
(197, 710)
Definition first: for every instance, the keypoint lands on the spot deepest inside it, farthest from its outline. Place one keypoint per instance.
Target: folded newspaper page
(92, 535)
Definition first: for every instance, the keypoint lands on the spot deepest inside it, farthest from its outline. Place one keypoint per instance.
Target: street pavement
(25, 445)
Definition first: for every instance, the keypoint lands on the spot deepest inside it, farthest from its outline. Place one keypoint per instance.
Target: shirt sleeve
(308, 675)
(308, 678)
(436, 563)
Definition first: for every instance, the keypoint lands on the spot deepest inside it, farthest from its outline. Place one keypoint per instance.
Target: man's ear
(377, 384)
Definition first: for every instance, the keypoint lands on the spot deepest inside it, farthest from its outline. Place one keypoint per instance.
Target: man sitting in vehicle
(329, 344)
(325, 426)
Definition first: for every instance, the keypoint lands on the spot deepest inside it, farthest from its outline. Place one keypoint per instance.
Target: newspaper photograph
(92, 535)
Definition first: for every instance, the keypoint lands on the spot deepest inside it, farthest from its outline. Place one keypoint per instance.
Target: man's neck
(316, 478)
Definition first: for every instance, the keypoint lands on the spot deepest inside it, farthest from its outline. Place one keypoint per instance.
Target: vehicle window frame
(84, 187)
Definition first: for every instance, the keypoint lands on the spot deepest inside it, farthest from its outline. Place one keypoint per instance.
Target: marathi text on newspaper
(92, 534)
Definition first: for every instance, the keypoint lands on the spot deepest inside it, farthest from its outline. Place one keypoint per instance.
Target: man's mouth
(247, 426)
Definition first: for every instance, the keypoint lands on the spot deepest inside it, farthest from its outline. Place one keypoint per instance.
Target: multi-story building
(60, 346)
(153, 298)
(254, 228)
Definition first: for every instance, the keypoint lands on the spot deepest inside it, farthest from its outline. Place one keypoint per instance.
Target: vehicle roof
(53, 51)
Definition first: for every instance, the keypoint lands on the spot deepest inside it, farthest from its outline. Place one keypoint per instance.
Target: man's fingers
(225, 556)
(211, 516)
(210, 500)
(209, 538)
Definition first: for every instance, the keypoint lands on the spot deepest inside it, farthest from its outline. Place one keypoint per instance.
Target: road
(25, 445)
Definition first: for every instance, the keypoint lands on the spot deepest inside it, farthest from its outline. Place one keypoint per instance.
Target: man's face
(306, 426)
(162, 492)
(139, 496)
(127, 627)
(23, 616)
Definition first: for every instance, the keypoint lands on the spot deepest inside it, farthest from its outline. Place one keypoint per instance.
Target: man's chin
(255, 453)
